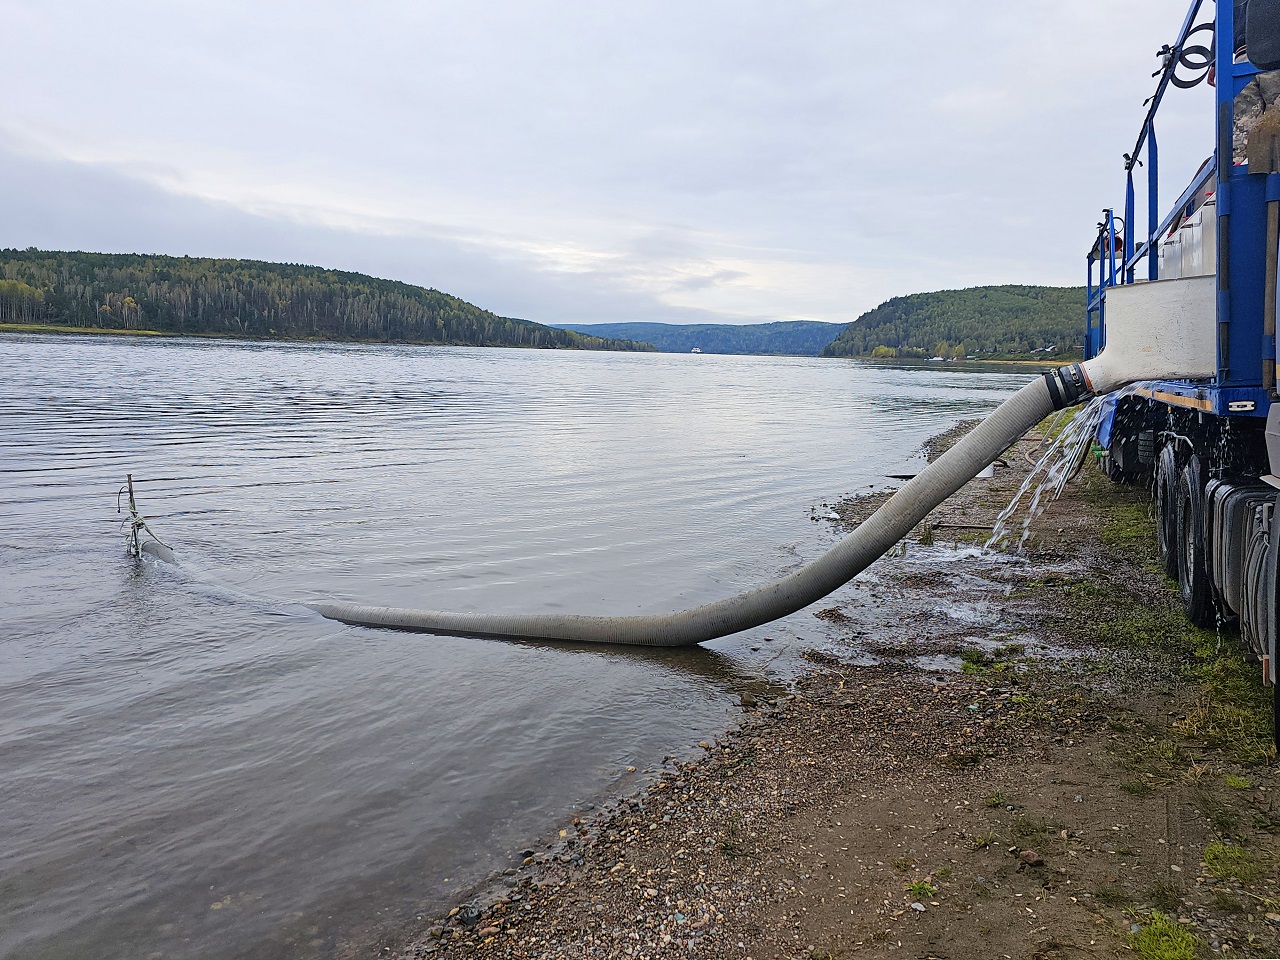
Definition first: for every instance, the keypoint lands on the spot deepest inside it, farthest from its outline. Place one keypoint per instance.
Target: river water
(188, 772)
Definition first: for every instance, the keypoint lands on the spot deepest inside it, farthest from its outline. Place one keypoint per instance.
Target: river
(186, 771)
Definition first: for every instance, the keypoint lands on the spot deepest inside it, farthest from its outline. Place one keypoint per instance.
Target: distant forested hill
(994, 322)
(253, 299)
(794, 337)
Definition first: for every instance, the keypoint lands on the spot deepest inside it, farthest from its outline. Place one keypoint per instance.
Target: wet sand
(1021, 757)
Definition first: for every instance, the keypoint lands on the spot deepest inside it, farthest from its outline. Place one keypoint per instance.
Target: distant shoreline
(917, 362)
(63, 330)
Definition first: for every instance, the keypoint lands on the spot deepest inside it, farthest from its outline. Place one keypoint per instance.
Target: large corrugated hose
(784, 596)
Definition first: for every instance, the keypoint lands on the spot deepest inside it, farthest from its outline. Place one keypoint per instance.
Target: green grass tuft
(1112, 895)
(1231, 862)
(922, 889)
(1165, 895)
(1163, 939)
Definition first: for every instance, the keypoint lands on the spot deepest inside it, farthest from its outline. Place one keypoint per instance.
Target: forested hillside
(254, 299)
(992, 322)
(793, 337)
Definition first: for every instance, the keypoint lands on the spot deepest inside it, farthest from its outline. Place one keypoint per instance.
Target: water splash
(1056, 466)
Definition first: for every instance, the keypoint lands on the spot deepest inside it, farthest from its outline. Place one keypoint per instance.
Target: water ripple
(166, 746)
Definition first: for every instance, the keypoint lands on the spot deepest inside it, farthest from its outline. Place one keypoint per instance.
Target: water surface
(185, 772)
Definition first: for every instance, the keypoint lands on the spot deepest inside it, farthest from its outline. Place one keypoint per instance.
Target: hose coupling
(1067, 385)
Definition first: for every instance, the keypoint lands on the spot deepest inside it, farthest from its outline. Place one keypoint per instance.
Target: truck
(1205, 270)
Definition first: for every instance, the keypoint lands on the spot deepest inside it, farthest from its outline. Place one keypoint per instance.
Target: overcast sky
(591, 162)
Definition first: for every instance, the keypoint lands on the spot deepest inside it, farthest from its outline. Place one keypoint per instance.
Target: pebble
(1031, 858)
(918, 907)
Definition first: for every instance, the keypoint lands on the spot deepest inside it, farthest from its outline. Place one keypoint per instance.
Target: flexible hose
(784, 596)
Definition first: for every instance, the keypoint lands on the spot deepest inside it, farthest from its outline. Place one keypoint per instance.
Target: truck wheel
(1193, 571)
(1165, 490)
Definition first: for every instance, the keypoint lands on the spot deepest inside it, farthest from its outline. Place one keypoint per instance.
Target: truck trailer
(1203, 272)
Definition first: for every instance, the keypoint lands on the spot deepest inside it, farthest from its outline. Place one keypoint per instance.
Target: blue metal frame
(1238, 388)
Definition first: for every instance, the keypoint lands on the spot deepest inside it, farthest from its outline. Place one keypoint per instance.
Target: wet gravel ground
(965, 774)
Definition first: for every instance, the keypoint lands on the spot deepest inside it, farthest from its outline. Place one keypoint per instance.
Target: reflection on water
(187, 774)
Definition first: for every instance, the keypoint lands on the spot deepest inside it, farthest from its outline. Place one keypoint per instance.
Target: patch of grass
(63, 328)
(1138, 788)
(1265, 822)
(1230, 862)
(1140, 627)
(1237, 782)
(985, 840)
(1220, 815)
(1025, 829)
(1029, 709)
(1112, 895)
(1162, 751)
(974, 661)
(1128, 531)
(964, 759)
(902, 864)
(732, 849)
(943, 873)
(1095, 666)
(1160, 938)
(922, 889)
(1165, 895)
(1226, 903)
(730, 846)
(1233, 709)
(996, 799)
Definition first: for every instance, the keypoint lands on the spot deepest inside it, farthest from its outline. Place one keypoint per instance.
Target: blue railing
(1114, 249)
(1246, 344)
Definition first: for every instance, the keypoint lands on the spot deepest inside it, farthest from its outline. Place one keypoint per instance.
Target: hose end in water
(1068, 385)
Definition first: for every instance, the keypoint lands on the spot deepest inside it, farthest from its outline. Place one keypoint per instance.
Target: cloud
(570, 162)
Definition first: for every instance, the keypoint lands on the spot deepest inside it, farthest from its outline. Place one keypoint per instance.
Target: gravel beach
(1018, 756)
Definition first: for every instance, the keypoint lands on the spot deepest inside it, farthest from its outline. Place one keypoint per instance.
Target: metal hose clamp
(1067, 385)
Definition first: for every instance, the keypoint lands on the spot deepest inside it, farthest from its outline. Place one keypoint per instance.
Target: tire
(1193, 571)
(1164, 488)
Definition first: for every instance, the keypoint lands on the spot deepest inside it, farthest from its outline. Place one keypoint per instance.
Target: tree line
(782, 337)
(1004, 322)
(249, 298)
